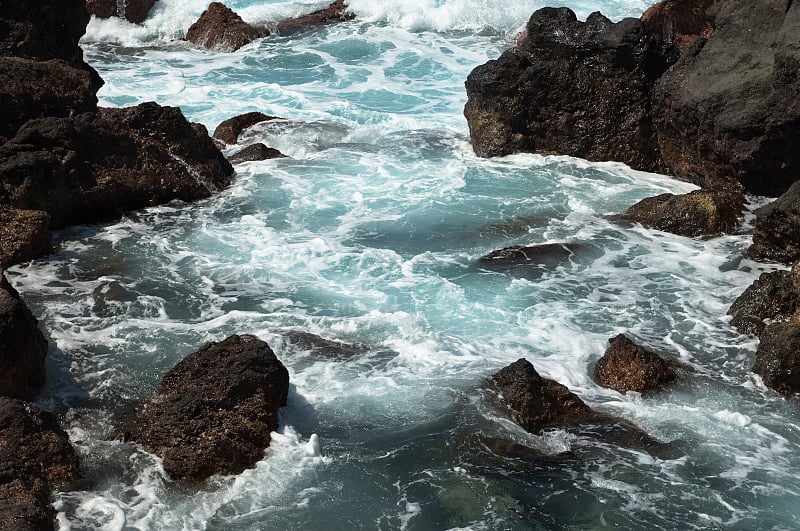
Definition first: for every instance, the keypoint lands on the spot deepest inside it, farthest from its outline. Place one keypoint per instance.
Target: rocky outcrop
(214, 411)
(729, 109)
(150, 155)
(335, 12)
(679, 21)
(228, 131)
(778, 357)
(254, 152)
(35, 456)
(135, 11)
(772, 297)
(626, 366)
(550, 254)
(222, 30)
(24, 235)
(698, 213)
(22, 346)
(573, 88)
(776, 235)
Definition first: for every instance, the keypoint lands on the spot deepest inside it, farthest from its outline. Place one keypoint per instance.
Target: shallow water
(369, 237)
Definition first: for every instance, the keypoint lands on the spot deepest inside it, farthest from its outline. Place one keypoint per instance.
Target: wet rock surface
(679, 21)
(772, 297)
(24, 235)
(228, 131)
(335, 12)
(214, 411)
(626, 366)
(255, 152)
(776, 235)
(778, 357)
(222, 30)
(135, 11)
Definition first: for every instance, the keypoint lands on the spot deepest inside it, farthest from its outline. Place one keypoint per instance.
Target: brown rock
(222, 30)
(778, 357)
(773, 296)
(24, 235)
(628, 367)
(228, 131)
(255, 152)
(776, 235)
(679, 21)
(135, 11)
(214, 411)
(335, 12)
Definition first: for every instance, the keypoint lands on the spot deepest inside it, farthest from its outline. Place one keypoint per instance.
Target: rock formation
(626, 366)
(24, 235)
(772, 297)
(214, 411)
(776, 235)
(335, 12)
(778, 357)
(135, 11)
(253, 152)
(228, 131)
(222, 30)
(679, 21)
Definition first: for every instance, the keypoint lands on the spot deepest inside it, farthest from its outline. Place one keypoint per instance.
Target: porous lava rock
(698, 213)
(222, 30)
(772, 297)
(335, 12)
(214, 411)
(626, 366)
(24, 235)
(228, 131)
(778, 357)
(253, 152)
(679, 21)
(22, 346)
(135, 11)
(776, 234)
(35, 456)
(571, 88)
(95, 166)
(728, 109)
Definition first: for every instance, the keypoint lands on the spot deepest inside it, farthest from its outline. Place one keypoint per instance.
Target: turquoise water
(368, 236)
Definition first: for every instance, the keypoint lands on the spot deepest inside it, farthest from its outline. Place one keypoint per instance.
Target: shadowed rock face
(771, 297)
(222, 30)
(24, 235)
(776, 235)
(133, 10)
(778, 357)
(335, 12)
(228, 131)
(626, 366)
(214, 411)
(679, 21)
(573, 88)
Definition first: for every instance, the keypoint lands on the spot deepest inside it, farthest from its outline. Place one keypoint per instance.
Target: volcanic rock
(257, 151)
(222, 30)
(545, 253)
(132, 10)
(22, 346)
(214, 411)
(776, 235)
(679, 21)
(626, 366)
(572, 88)
(228, 131)
(698, 213)
(335, 12)
(772, 296)
(95, 166)
(728, 109)
(24, 235)
(778, 357)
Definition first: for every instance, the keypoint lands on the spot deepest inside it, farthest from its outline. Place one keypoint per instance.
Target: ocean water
(356, 259)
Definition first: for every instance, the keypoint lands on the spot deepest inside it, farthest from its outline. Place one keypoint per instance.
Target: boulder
(335, 12)
(23, 347)
(228, 131)
(214, 411)
(135, 11)
(572, 88)
(149, 155)
(778, 357)
(698, 213)
(35, 456)
(772, 297)
(626, 366)
(24, 235)
(679, 21)
(522, 255)
(728, 109)
(253, 152)
(776, 235)
(222, 30)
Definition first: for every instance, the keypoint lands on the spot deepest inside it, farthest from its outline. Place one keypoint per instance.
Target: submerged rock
(222, 30)
(148, 155)
(626, 366)
(679, 21)
(24, 235)
(253, 152)
(698, 213)
(228, 131)
(573, 88)
(214, 411)
(776, 235)
(23, 347)
(778, 357)
(773, 296)
(135, 11)
(335, 12)
(521, 254)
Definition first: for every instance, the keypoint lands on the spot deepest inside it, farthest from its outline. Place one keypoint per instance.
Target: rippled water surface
(368, 236)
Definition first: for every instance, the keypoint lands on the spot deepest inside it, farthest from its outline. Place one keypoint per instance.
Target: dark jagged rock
(778, 357)
(776, 235)
(728, 109)
(214, 411)
(335, 12)
(135, 11)
(679, 21)
(546, 253)
(24, 235)
(22, 346)
(698, 213)
(573, 88)
(771, 297)
(35, 456)
(222, 30)
(228, 131)
(253, 152)
(149, 155)
(626, 366)
(321, 347)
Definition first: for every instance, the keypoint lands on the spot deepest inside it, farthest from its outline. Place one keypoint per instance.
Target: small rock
(773, 296)
(24, 235)
(626, 366)
(222, 30)
(335, 12)
(776, 235)
(253, 152)
(228, 131)
(778, 357)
